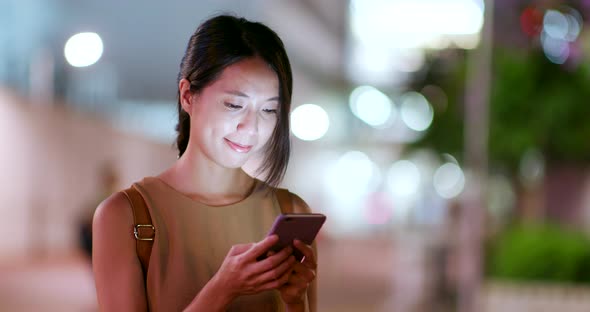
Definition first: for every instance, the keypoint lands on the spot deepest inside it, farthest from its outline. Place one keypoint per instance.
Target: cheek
(225, 125)
(214, 123)
(267, 129)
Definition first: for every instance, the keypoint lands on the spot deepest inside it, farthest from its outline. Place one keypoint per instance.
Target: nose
(249, 123)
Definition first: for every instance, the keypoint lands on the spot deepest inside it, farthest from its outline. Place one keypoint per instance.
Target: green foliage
(538, 104)
(533, 104)
(540, 253)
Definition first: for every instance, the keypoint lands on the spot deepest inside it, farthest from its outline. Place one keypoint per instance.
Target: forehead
(251, 76)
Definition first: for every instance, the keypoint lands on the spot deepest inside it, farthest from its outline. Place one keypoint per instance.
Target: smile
(237, 147)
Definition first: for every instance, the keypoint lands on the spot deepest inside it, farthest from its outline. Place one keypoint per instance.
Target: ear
(185, 95)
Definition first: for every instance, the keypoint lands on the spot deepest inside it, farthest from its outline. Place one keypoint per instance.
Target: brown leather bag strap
(285, 200)
(143, 229)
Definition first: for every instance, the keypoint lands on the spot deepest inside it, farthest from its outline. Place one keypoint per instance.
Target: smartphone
(301, 226)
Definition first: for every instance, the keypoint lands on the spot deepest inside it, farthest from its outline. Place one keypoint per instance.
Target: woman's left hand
(303, 273)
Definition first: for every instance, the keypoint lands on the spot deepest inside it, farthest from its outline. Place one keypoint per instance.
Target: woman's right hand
(241, 274)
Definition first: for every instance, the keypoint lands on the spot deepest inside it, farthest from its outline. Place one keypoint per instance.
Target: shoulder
(117, 271)
(115, 211)
(299, 205)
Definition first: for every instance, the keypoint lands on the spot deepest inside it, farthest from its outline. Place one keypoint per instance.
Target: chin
(233, 163)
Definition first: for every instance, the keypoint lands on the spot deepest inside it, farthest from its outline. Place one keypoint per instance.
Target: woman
(234, 94)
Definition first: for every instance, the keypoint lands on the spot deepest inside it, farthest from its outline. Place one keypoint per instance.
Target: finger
(294, 288)
(239, 249)
(261, 247)
(303, 272)
(307, 251)
(295, 285)
(274, 284)
(273, 261)
(277, 272)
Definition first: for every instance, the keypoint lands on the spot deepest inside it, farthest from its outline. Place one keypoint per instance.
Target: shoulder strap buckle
(138, 235)
(142, 223)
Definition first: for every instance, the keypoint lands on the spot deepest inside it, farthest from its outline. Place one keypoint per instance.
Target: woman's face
(234, 117)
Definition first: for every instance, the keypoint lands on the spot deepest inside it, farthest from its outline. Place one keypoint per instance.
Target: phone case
(289, 227)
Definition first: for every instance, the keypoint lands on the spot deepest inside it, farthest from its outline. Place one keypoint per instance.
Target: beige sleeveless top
(192, 239)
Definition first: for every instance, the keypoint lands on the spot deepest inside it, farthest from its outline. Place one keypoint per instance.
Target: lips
(238, 147)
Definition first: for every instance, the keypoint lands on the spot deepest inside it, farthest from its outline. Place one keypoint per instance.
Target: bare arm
(117, 271)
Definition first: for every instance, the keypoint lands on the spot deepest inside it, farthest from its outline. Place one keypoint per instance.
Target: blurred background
(447, 141)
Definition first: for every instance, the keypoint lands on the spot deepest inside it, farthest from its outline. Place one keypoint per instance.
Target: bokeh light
(555, 24)
(449, 180)
(309, 122)
(532, 167)
(531, 21)
(425, 19)
(389, 37)
(403, 179)
(83, 49)
(575, 24)
(501, 197)
(348, 181)
(556, 50)
(559, 31)
(371, 106)
(354, 174)
(416, 112)
(449, 158)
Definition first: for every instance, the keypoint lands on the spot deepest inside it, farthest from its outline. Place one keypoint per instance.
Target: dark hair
(222, 41)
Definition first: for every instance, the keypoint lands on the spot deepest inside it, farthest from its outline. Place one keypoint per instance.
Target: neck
(205, 181)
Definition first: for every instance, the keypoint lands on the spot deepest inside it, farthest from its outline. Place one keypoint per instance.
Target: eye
(270, 111)
(232, 106)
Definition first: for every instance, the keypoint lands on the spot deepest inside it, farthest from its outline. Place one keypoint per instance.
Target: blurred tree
(534, 104)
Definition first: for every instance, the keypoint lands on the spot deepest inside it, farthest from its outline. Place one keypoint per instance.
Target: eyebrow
(241, 94)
